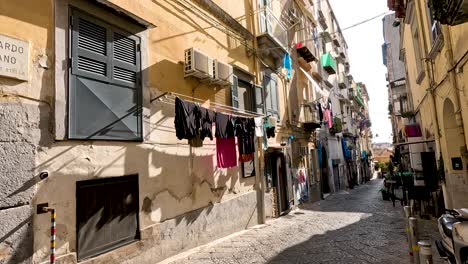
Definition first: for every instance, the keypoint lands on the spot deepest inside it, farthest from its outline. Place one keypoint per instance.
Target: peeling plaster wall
(24, 126)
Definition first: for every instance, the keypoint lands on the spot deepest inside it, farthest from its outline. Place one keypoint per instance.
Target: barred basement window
(106, 214)
(104, 81)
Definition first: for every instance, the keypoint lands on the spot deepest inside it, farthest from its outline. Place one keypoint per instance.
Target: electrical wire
(333, 33)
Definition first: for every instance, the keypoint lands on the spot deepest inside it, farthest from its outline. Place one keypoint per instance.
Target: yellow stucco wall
(453, 136)
(173, 177)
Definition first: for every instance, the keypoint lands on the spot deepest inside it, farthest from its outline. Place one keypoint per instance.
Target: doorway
(277, 161)
(325, 175)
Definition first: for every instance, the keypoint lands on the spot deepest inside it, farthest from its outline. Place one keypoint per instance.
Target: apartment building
(433, 48)
(90, 127)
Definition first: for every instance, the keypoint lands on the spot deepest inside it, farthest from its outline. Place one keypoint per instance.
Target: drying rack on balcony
(169, 98)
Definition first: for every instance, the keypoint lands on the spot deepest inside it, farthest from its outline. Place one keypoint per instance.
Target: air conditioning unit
(222, 73)
(198, 64)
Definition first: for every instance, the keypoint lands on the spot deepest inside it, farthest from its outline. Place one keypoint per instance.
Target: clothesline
(229, 110)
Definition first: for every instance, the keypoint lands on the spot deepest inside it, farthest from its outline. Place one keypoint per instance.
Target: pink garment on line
(226, 152)
(328, 118)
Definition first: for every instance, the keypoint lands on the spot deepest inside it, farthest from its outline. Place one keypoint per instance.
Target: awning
(325, 94)
(413, 130)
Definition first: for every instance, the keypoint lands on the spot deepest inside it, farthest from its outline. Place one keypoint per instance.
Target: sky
(365, 55)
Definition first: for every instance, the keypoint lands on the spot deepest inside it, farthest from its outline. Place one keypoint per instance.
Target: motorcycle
(453, 228)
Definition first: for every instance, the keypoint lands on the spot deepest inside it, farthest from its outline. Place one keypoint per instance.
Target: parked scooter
(453, 228)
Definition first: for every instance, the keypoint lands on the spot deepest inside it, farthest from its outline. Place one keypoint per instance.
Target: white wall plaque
(14, 57)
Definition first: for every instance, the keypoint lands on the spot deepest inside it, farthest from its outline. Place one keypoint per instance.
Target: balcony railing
(269, 24)
(342, 80)
(322, 20)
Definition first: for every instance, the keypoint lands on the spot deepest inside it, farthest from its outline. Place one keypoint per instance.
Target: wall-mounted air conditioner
(198, 64)
(222, 73)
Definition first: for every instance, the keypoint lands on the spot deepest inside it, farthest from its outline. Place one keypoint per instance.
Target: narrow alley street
(349, 227)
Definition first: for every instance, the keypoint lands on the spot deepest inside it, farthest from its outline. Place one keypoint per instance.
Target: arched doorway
(454, 141)
(325, 174)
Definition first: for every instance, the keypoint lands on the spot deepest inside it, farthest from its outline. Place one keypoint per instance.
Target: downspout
(260, 164)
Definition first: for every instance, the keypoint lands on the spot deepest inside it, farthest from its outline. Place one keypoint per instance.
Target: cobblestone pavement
(348, 227)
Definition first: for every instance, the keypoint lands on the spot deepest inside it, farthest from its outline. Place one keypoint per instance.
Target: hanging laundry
(224, 126)
(258, 126)
(319, 106)
(269, 129)
(328, 118)
(319, 152)
(226, 152)
(206, 124)
(196, 141)
(187, 119)
(287, 64)
(245, 131)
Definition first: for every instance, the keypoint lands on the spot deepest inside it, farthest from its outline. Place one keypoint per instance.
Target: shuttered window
(106, 214)
(104, 85)
(270, 85)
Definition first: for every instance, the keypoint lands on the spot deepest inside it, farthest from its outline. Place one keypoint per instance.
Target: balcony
(325, 35)
(347, 66)
(309, 116)
(272, 36)
(342, 80)
(322, 20)
(316, 73)
(336, 41)
(351, 93)
(341, 52)
(328, 63)
(307, 51)
(359, 100)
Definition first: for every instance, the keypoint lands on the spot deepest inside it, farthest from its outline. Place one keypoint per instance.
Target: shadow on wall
(234, 47)
(166, 190)
(174, 179)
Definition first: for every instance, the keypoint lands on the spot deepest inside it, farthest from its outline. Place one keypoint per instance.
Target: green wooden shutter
(274, 96)
(268, 96)
(259, 99)
(105, 90)
(234, 92)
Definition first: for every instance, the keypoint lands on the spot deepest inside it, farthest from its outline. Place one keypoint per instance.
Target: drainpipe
(260, 160)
